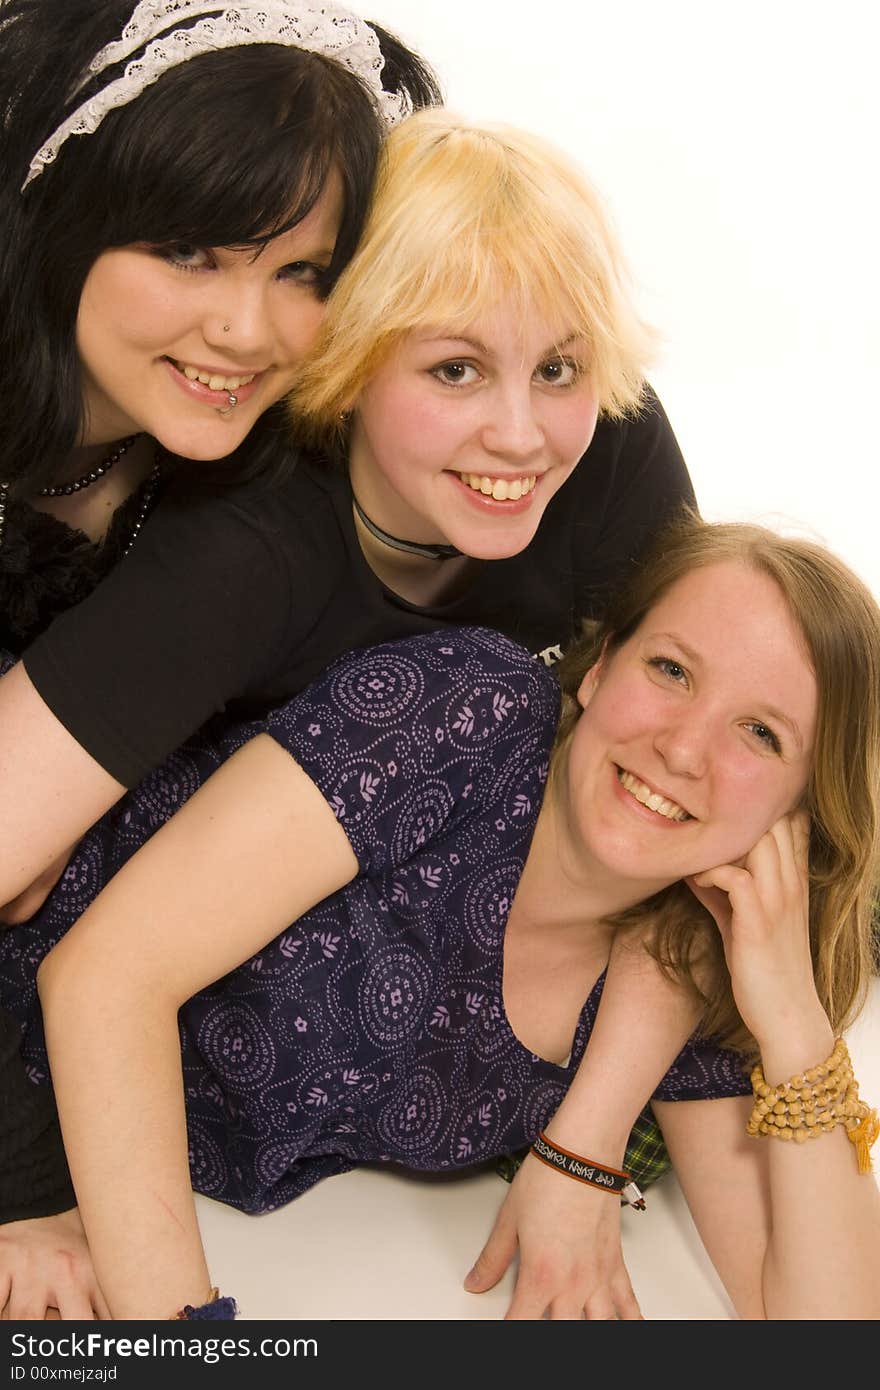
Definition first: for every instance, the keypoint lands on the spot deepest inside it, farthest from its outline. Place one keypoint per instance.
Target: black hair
(228, 149)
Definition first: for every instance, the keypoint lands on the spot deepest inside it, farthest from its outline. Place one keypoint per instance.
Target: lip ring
(180, 365)
(203, 395)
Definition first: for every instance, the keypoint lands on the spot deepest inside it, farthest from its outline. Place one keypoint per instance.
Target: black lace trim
(47, 566)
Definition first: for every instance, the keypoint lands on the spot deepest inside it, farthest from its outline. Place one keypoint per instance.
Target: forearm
(793, 1229)
(823, 1253)
(170, 922)
(116, 1068)
(642, 1023)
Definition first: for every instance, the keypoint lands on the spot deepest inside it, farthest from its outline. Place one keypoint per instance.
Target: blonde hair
(462, 216)
(840, 623)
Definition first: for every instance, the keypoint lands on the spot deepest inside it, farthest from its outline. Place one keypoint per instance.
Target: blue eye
(669, 668)
(184, 256)
(304, 273)
(765, 735)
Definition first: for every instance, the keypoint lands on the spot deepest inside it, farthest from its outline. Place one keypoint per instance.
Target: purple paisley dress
(373, 1029)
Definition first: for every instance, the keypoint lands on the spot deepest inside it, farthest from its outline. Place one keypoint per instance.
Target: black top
(47, 566)
(238, 601)
(235, 602)
(34, 1180)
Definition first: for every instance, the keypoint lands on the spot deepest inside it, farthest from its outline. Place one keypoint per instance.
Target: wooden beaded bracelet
(613, 1180)
(814, 1103)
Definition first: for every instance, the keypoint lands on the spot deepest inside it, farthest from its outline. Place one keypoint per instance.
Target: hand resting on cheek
(761, 908)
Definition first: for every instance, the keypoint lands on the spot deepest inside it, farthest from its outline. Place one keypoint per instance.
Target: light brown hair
(840, 624)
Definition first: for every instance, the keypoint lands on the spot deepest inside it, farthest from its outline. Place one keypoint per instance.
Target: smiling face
(465, 439)
(155, 352)
(696, 733)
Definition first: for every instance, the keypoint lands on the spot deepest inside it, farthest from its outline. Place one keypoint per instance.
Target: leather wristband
(586, 1170)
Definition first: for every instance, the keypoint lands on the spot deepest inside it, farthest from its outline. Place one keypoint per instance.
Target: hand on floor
(46, 1271)
(570, 1257)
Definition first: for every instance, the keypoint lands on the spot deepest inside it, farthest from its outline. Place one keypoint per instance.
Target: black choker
(430, 552)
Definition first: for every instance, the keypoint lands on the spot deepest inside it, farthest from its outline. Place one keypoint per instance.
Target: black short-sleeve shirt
(234, 602)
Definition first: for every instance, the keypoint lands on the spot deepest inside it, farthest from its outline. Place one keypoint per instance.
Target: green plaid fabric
(646, 1158)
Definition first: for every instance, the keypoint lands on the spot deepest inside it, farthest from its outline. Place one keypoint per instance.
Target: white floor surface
(375, 1244)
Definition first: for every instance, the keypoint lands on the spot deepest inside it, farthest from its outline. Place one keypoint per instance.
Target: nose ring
(226, 327)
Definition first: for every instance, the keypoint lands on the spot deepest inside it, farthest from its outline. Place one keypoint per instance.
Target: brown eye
(455, 373)
(558, 371)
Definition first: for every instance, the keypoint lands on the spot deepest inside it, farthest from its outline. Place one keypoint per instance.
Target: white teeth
(500, 489)
(653, 800)
(213, 381)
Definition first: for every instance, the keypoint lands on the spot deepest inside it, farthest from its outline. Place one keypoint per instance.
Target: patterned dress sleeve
(405, 738)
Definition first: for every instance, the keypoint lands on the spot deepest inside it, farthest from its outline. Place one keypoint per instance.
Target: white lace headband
(326, 29)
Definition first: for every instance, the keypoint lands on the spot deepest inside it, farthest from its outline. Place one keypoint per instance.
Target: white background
(736, 145)
(737, 149)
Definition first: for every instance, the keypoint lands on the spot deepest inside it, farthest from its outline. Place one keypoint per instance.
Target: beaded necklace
(146, 502)
(67, 489)
(93, 476)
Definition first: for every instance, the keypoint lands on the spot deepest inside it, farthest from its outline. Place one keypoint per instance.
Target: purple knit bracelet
(217, 1309)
